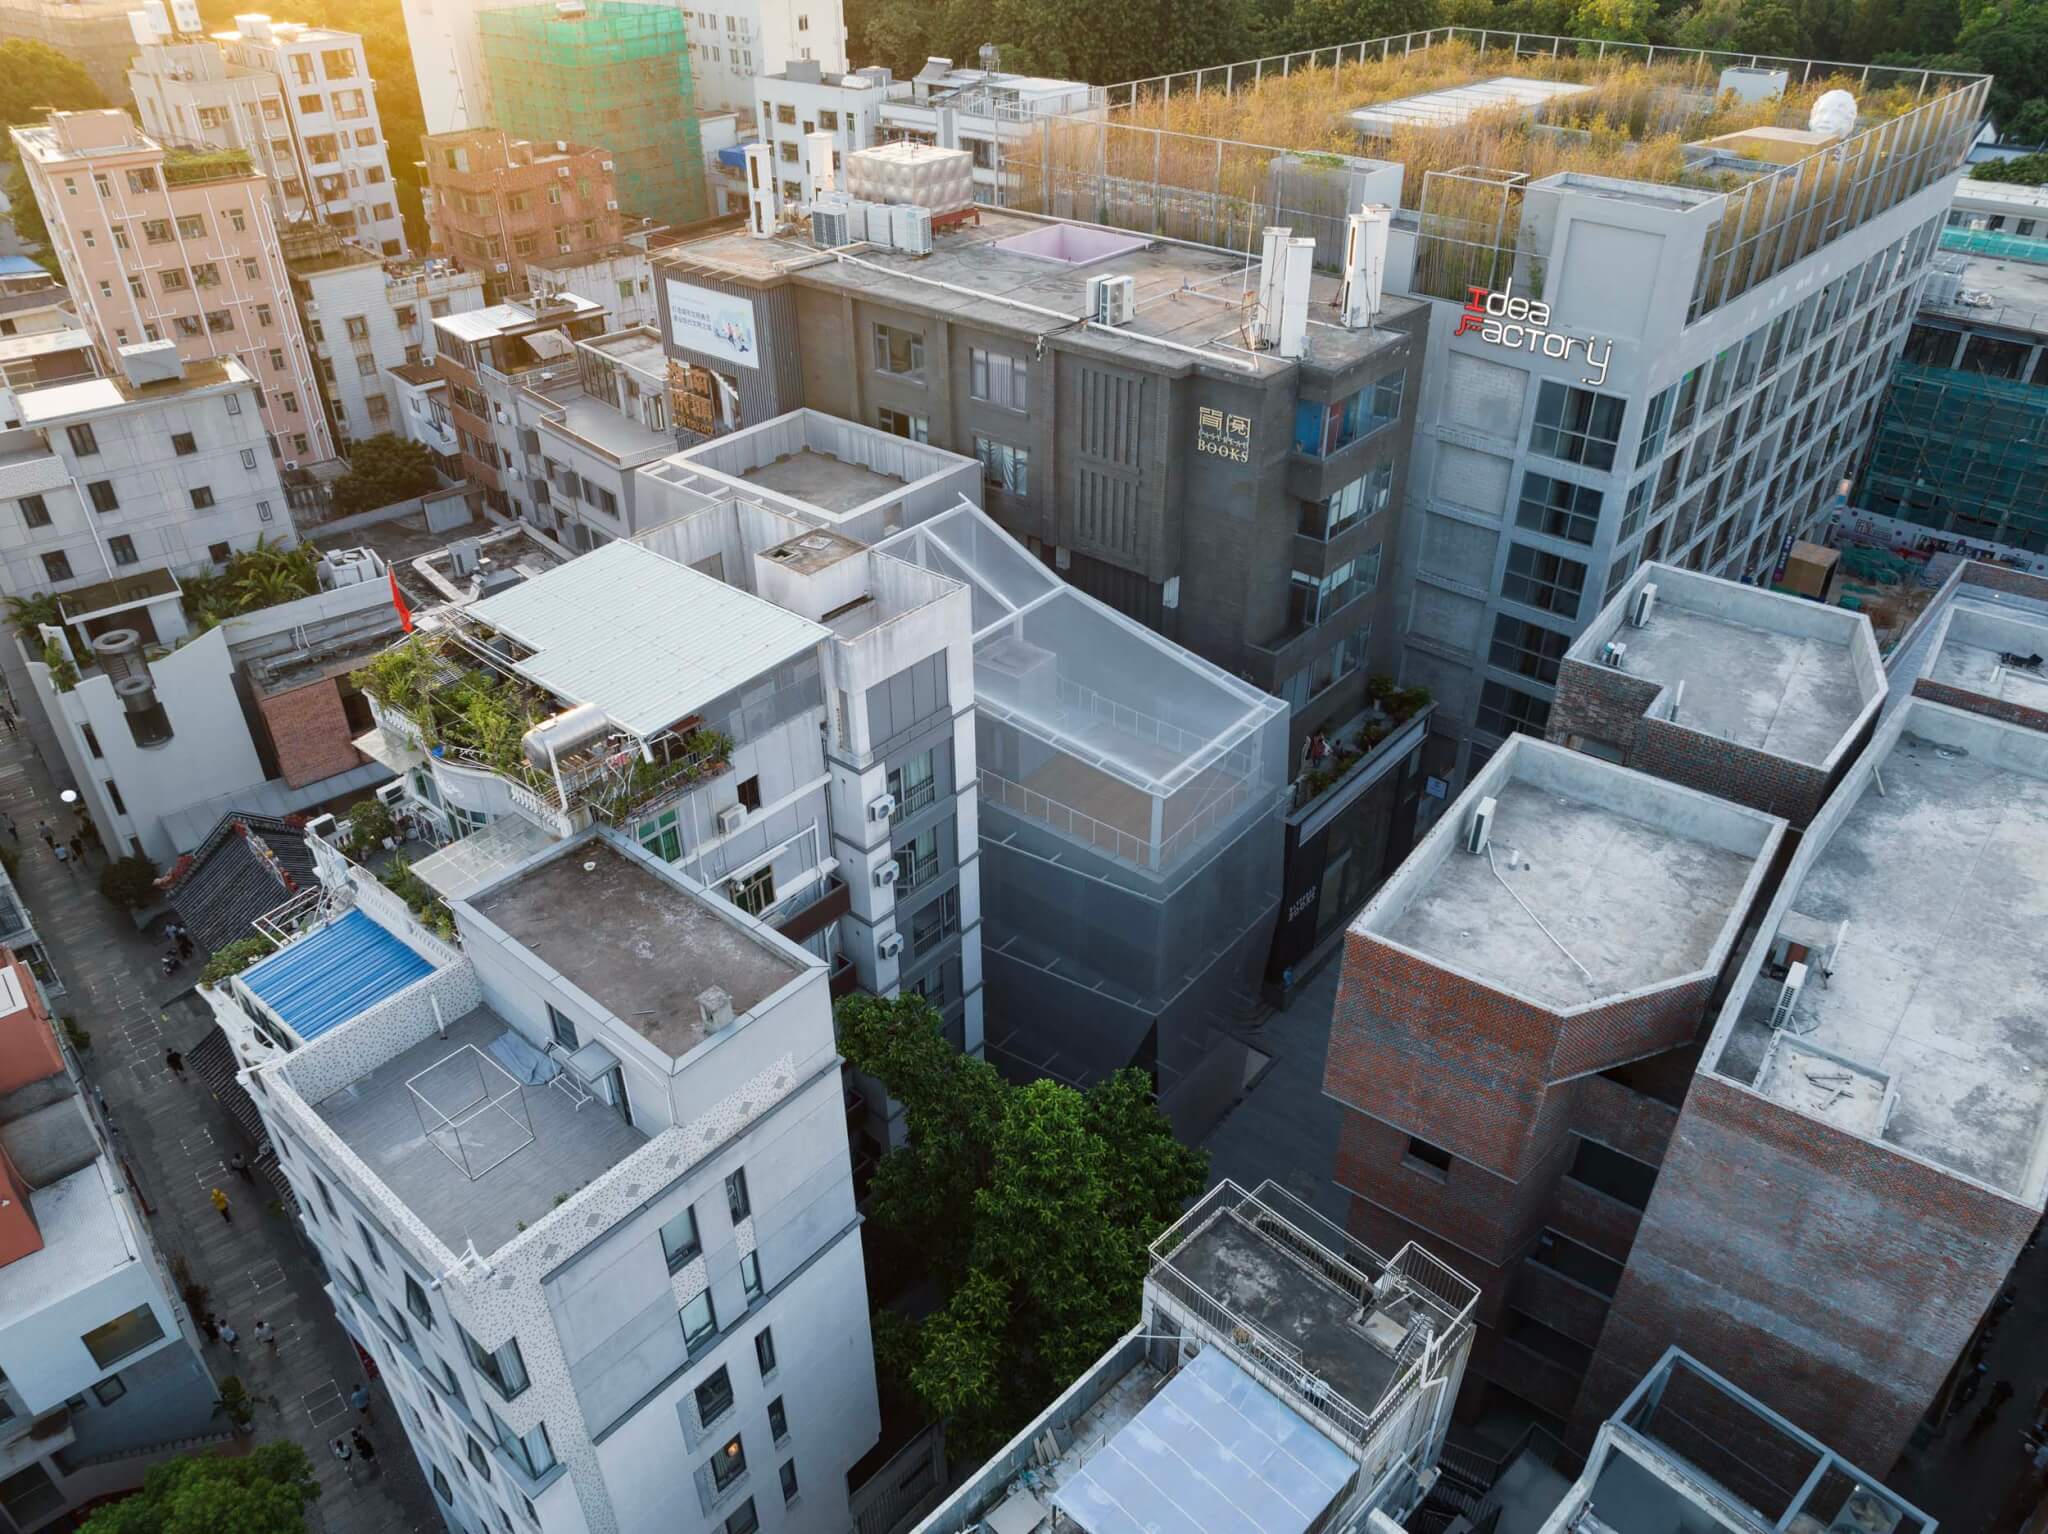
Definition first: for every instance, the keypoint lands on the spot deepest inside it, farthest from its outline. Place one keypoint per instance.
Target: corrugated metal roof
(1215, 1452)
(646, 640)
(322, 981)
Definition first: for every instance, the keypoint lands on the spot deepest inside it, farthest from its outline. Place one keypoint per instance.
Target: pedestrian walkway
(176, 1140)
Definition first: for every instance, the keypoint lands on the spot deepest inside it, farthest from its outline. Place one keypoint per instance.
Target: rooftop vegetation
(255, 578)
(187, 167)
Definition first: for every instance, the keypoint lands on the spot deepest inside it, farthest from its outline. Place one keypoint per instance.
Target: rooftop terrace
(1916, 905)
(1987, 650)
(1596, 881)
(637, 942)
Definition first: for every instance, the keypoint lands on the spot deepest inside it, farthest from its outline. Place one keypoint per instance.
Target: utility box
(1812, 571)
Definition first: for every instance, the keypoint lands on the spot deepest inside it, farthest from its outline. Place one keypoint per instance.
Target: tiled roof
(247, 865)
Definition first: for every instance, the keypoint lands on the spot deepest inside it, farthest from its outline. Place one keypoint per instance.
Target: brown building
(495, 202)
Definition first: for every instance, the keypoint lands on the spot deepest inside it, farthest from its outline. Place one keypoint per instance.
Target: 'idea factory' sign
(1505, 320)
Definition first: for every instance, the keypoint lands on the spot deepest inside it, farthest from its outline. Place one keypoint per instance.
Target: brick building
(1499, 1029)
(493, 201)
(1746, 694)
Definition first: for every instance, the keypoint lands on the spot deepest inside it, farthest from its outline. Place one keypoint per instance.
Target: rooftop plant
(236, 957)
(183, 167)
(253, 579)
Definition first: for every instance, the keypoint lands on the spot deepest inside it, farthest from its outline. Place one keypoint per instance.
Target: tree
(1614, 21)
(383, 469)
(35, 78)
(263, 1492)
(1741, 26)
(129, 882)
(2022, 170)
(369, 822)
(1033, 1208)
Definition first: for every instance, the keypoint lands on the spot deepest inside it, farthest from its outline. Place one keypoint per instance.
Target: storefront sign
(1505, 320)
(1223, 436)
(717, 324)
(702, 399)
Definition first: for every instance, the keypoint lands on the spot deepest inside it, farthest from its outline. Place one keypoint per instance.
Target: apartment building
(365, 316)
(298, 99)
(104, 1377)
(583, 433)
(494, 201)
(584, 1197)
(1246, 1394)
(744, 39)
(1623, 365)
(618, 276)
(161, 244)
(37, 360)
(1153, 461)
(971, 109)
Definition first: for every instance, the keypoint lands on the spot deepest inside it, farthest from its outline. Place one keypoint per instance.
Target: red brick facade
(310, 732)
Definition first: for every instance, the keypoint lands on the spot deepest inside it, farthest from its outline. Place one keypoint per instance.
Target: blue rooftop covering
(324, 980)
(18, 266)
(734, 155)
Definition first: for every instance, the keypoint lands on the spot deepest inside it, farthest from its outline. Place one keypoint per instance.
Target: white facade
(616, 276)
(742, 39)
(423, 416)
(369, 317)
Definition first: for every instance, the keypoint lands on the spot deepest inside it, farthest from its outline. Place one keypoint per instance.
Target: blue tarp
(734, 155)
(345, 968)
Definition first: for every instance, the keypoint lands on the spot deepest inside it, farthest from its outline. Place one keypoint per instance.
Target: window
(715, 1397)
(1003, 467)
(416, 1301)
(1424, 1157)
(366, 366)
(745, 1520)
(896, 351)
(999, 378)
(505, 1368)
(901, 423)
(183, 444)
(750, 1277)
(1576, 425)
(728, 1464)
(1366, 496)
(125, 1335)
(157, 231)
(56, 567)
(327, 1200)
(122, 549)
(736, 1195)
(35, 511)
(564, 1029)
(1506, 710)
(934, 923)
(754, 892)
(173, 279)
(749, 793)
(912, 786)
(662, 836)
(370, 1246)
(679, 1240)
(788, 1482)
(1321, 429)
(479, 1460)
(236, 219)
(83, 443)
(101, 493)
(1559, 507)
(700, 1322)
(918, 862)
(202, 497)
(109, 1390)
(1547, 581)
(441, 1484)
(191, 227)
(764, 1350)
(358, 327)
(1528, 648)
(234, 404)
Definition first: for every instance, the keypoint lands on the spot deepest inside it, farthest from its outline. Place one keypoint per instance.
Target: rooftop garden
(255, 578)
(189, 167)
(1391, 707)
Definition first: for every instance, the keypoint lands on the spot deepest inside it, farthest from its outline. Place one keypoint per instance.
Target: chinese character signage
(1223, 436)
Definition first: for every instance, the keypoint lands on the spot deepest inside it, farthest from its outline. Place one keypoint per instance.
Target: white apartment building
(743, 39)
(585, 1196)
(422, 395)
(299, 99)
(365, 315)
(971, 109)
(616, 276)
(102, 1372)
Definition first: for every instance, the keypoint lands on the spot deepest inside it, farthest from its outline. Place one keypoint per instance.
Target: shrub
(369, 823)
(236, 957)
(129, 882)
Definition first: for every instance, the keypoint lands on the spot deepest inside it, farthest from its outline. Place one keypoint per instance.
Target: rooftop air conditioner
(731, 818)
(323, 826)
(1113, 300)
(882, 808)
(611, 205)
(829, 227)
(392, 794)
(1640, 608)
(890, 946)
(1613, 653)
(1479, 827)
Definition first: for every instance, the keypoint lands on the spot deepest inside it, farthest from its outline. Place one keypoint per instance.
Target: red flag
(397, 601)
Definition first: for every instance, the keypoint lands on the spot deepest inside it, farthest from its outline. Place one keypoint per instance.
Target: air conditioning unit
(1479, 827)
(1644, 603)
(608, 165)
(882, 808)
(886, 875)
(392, 795)
(1113, 300)
(611, 205)
(890, 946)
(829, 227)
(731, 818)
(563, 250)
(1613, 653)
(562, 171)
(323, 826)
(503, 266)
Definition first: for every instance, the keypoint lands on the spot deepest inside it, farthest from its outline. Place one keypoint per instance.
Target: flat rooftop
(515, 319)
(1996, 652)
(603, 426)
(381, 1120)
(1187, 294)
(1936, 986)
(2009, 293)
(54, 403)
(83, 1241)
(828, 483)
(1458, 103)
(640, 945)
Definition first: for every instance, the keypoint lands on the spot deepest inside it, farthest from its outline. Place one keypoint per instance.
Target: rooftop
(2007, 292)
(1189, 295)
(528, 1145)
(603, 426)
(83, 1241)
(1993, 651)
(1916, 906)
(515, 319)
(822, 480)
(334, 974)
(42, 343)
(1772, 672)
(1596, 880)
(40, 407)
(644, 639)
(639, 943)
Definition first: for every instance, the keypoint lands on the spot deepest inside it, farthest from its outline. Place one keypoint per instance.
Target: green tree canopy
(263, 1492)
(2022, 170)
(1031, 1207)
(36, 78)
(383, 469)
(1742, 26)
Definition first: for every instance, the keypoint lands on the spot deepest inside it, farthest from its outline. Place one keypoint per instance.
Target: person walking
(347, 1456)
(77, 845)
(210, 1324)
(231, 1337)
(239, 1163)
(175, 1063)
(185, 944)
(49, 837)
(365, 1450)
(266, 1334)
(220, 1204)
(63, 855)
(359, 1398)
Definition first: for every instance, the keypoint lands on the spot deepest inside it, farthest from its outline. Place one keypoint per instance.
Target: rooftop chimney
(714, 1007)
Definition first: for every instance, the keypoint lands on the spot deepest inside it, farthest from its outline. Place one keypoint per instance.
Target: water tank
(941, 180)
(565, 733)
(1834, 114)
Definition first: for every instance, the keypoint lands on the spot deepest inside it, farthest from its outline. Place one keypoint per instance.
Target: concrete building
(103, 1371)
(1247, 1395)
(424, 415)
(1622, 365)
(297, 99)
(733, 46)
(972, 109)
(620, 277)
(1153, 462)
(94, 32)
(584, 1198)
(1971, 645)
(38, 360)
(177, 245)
(33, 302)
(494, 201)
(584, 432)
(366, 316)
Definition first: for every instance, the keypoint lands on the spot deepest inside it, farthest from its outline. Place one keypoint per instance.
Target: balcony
(1363, 748)
(811, 909)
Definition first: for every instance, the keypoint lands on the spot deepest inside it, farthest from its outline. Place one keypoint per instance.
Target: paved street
(176, 1141)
